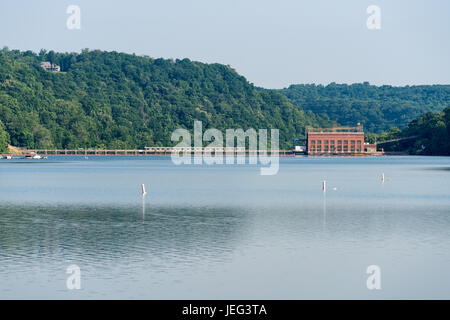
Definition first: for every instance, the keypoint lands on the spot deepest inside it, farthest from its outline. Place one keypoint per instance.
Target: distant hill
(118, 100)
(377, 107)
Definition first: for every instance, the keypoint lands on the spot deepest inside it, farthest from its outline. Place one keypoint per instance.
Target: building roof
(333, 133)
(335, 129)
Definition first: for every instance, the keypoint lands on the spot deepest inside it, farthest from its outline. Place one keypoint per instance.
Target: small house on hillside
(47, 66)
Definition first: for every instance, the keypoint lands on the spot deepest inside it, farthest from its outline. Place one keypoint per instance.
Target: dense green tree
(432, 131)
(4, 138)
(427, 135)
(51, 57)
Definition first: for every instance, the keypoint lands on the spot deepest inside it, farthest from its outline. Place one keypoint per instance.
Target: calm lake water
(225, 232)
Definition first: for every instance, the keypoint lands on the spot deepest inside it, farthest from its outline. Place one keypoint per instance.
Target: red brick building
(334, 141)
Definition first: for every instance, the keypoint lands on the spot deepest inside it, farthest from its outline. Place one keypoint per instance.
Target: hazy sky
(272, 43)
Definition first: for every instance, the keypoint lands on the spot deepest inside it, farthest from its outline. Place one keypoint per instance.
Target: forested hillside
(377, 108)
(117, 100)
(430, 132)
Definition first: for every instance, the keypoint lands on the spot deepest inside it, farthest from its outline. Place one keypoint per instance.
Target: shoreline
(291, 155)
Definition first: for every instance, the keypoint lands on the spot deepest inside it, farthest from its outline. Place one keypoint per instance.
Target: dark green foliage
(117, 100)
(433, 131)
(4, 138)
(430, 132)
(377, 108)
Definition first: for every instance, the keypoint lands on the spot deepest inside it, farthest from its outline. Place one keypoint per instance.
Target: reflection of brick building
(337, 140)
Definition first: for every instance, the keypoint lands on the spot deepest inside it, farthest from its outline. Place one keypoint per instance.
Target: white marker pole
(143, 190)
(324, 185)
(382, 177)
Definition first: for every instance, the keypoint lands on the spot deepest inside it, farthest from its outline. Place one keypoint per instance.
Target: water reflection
(143, 209)
(101, 234)
(324, 211)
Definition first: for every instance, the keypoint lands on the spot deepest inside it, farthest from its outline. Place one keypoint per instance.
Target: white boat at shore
(34, 156)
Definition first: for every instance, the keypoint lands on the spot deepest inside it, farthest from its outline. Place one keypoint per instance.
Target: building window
(319, 141)
(325, 148)
(345, 148)
(313, 148)
(332, 148)
(352, 148)
(319, 148)
(313, 142)
(345, 142)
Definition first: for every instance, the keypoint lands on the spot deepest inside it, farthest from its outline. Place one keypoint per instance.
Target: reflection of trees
(112, 234)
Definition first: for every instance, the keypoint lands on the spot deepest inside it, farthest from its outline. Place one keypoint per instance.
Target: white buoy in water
(324, 185)
(382, 177)
(143, 190)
